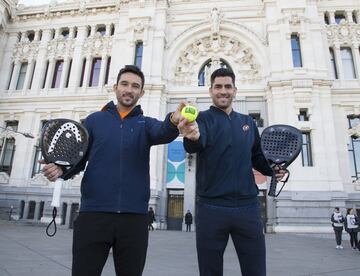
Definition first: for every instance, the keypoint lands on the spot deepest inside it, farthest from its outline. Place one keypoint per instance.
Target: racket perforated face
(63, 142)
(281, 144)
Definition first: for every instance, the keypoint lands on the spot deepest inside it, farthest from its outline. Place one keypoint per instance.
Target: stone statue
(215, 21)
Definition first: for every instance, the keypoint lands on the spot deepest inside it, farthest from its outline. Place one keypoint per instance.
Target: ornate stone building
(297, 62)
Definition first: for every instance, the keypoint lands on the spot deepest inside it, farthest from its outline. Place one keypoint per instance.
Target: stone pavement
(26, 250)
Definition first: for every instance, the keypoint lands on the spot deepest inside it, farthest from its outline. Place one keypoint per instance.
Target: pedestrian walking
(188, 220)
(151, 219)
(337, 220)
(227, 144)
(352, 227)
(115, 187)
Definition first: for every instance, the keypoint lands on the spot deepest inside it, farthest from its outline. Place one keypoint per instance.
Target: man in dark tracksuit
(227, 144)
(115, 188)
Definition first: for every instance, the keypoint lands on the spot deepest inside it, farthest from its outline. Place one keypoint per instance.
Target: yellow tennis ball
(189, 112)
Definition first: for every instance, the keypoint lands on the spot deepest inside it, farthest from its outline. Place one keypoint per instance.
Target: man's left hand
(279, 173)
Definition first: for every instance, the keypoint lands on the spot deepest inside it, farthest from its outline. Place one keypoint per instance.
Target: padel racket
(280, 144)
(63, 142)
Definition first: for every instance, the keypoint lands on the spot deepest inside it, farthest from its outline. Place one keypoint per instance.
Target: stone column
(332, 17)
(15, 75)
(356, 57)
(50, 72)
(77, 63)
(7, 60)
(108, 30)
(37, 211)
(338, 61)
(65, 73)
(87, 72)
(41, 62)
(104, 61)
(28, 75)
(349, 17)
(26, 210)
(68, 214)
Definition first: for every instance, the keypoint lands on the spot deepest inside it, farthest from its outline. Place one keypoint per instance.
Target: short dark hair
(131, 69)
(337, 208)
(222, 72)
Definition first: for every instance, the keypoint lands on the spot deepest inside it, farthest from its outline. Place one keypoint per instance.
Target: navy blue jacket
(117, 177)
(227, 150)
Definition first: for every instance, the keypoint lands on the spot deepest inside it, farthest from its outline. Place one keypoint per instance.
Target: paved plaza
(26, 250)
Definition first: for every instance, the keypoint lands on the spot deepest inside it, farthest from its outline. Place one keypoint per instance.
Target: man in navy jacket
(227, 144)
(115, 188)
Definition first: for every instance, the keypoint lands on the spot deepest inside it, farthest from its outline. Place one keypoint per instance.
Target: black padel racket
(280, 144)
(63, 142)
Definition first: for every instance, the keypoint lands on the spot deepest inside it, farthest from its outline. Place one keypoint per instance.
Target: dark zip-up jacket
(227, 150)
(117, 177)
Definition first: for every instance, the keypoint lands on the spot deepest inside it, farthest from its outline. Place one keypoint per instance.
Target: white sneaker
(341, 247)
(337, 247)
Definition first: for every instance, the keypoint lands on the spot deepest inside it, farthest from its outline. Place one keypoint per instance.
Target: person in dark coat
(188, 220)
(227, 144)
(151, 219)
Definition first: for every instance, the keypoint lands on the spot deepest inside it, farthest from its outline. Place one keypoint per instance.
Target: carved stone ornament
(139, 28)
(61, 47)
(188, 63)
(294, 19)
(4, 178)
(343, 33)
(97, 45)
(39, 180)
(26, 50)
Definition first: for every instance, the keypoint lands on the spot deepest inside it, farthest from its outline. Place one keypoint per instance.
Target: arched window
(207, 68)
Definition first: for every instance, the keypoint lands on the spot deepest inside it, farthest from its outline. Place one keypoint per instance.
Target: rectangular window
(333, 64)
(107, 70)
(37, 156)
(326, 18)
(303, 114)
(11, 74)
(59, 67)
(259, 122)
(354, 17)
(32, 76)
(339, 16)
(348, 63)
(138, 54)
(296, 51)
(21, 77)
(306, 150)
(95, 72)
(7, 148)
(354, 148)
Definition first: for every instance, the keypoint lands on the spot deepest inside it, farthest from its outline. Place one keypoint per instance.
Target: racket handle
(272, 189)
(57, 193)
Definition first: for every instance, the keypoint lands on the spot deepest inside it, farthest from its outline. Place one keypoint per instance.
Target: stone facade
(184, 41)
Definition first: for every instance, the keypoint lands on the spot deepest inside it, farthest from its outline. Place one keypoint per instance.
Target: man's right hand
(51, 171)
(189, 130)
